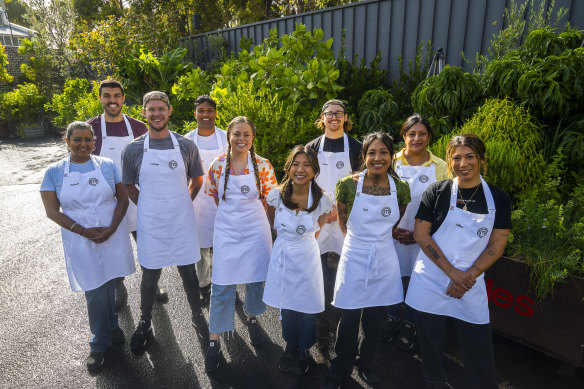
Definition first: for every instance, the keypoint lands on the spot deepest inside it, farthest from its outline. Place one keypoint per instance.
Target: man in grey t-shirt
(162, 163)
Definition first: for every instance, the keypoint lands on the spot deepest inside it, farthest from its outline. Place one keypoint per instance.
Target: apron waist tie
(282, 271)
(371, 264)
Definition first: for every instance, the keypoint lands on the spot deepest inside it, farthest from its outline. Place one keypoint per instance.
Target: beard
(159, 126)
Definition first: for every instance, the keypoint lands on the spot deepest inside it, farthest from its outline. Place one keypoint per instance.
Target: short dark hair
(414, 119)
(78, 125)
(205, 99)
(111, 83)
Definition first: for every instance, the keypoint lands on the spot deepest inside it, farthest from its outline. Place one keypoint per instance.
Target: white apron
(204, 205)
(242, 242)
(419, 178)
(294, 278)
(167, 231)
(333, 167)
(111, 147)
(88, 200)
(462, 237)
(368, 273)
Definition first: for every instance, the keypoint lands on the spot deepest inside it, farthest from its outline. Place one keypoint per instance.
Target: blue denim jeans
(222, 310)
(298, 328)
(103, 319)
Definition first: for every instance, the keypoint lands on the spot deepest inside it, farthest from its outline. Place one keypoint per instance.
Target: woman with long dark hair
(297, 210)
(462, 228)
(370, 205)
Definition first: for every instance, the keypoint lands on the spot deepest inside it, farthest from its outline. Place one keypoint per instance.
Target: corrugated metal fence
(394, 27)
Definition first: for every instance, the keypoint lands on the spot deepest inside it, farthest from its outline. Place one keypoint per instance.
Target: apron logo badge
(93, 181)
(482, 232)
(172, 164)
(245, 189)
(386, 211)
(423, 178)
(300, 229)
(340, 165)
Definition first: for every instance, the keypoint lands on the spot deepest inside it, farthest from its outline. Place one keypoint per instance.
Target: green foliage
(452, 95)
(103, 45)
(377, 111)
(403, 87)
(357, 78)
(142, 71)
(518, 142)
(4, 76)
(185, 91)
(544, 74)
(278, 126)
(520, 19)
(549, 234)
(80, 101)
(24, 104)
(300, 68)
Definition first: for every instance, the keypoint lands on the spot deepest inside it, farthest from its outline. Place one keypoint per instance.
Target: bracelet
(71, 228)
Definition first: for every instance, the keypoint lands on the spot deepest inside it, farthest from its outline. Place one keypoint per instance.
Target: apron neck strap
(345, 143)
(103, 125)
(362, 179)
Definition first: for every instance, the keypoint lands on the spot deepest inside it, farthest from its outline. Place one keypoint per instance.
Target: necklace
(470, 198)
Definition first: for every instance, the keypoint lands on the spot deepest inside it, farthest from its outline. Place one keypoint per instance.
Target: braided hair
(286, 187)
(387, 140)
(232, 123)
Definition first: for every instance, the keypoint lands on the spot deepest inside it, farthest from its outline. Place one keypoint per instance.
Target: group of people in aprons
(209, 189)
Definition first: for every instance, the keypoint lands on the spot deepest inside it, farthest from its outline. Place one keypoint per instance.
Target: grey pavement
(44, 331)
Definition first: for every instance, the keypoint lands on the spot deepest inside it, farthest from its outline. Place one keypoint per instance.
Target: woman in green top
(369, 204)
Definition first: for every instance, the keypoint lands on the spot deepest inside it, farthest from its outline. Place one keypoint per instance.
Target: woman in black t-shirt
(462, 227)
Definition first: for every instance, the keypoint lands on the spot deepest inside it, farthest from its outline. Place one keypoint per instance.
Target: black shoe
(369, 375)
(95, 361)
(117, 337)
(120, 295)
(331, 382)
(205, 296)
(407, 338)
(287, 359)
(200, 325)
(302, 363)
(213, 357)
(139, 339)
(161, 295)
(389, 329)
(255, 333)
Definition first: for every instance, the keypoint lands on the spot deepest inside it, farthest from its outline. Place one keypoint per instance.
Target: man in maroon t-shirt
(113, 131)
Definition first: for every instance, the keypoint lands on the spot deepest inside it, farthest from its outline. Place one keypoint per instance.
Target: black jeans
(329, 274)
(476, 346)
(149, 285)
(348, 343)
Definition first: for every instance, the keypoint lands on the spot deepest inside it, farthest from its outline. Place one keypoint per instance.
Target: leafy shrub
(278, 126)
(452, 95)
(4, 76)
(24, 104)
(549, 234)
(513, 141)
(185, 91)
(80, 101)
(299, 67)
(377, 111)
(142, 71)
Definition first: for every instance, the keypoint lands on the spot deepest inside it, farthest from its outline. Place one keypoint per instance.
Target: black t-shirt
(436, 202)
(338, 146)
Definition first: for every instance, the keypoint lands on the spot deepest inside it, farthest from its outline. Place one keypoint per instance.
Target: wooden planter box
(554, 326)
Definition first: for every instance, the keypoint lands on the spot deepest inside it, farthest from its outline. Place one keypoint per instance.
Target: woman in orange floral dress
(242, 242)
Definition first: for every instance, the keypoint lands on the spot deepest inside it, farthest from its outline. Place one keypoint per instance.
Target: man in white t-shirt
(211, 142)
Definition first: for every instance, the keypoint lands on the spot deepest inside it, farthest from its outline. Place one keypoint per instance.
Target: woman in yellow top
(416, 165)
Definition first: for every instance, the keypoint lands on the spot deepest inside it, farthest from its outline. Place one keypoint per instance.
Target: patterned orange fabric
(265, 169)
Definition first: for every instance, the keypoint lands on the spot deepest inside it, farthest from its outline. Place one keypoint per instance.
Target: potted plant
(24, 108)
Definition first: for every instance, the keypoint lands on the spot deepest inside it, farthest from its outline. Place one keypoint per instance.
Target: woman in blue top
(84, 195)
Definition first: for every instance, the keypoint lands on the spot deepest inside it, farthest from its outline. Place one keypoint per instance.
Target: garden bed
(554, 326)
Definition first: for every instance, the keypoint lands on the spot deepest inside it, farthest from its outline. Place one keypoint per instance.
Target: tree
(4, 76)
(16, 11)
